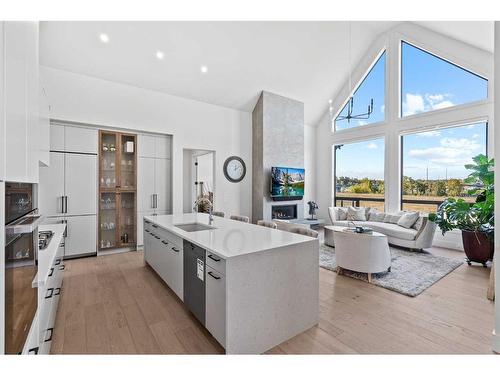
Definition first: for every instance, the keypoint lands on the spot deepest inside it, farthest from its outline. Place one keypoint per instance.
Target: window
(359, 174)
(433, 165)
(372, 87)
(429, 82)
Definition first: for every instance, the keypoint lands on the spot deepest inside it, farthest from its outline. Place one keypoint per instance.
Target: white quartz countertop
(47, 255)
(229, 238)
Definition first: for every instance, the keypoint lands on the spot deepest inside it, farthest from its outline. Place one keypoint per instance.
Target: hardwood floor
(115, 304)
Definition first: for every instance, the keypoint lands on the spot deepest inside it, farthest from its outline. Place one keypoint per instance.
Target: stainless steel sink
(194, 227)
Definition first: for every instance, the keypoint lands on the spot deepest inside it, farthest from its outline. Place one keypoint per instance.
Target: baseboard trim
(495, 342)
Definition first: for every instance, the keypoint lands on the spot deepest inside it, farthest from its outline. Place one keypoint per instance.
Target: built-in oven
(21, 253)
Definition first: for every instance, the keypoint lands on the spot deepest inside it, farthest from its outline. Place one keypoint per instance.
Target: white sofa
(417, 237)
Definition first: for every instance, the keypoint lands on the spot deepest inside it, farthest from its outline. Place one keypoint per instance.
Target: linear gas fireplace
(284, 212)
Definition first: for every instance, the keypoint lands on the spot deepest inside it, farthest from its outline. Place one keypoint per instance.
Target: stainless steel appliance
(21, 253)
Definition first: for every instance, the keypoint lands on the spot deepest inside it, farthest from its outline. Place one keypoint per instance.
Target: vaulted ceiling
(307, 61)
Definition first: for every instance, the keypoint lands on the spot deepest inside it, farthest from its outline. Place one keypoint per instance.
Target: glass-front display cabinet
(117, 190)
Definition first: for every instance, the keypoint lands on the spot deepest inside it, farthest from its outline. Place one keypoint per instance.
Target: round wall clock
(234, 169)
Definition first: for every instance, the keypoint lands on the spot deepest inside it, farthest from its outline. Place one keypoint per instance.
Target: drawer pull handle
(157, 237)
(175, 249)
(147, 230)
(50, 293)
(152, 234)
(155, 226)
(50, 330)
(51, 272)
(57, 291)
(63, 267)
(215, 277)
(33, 350)
(164, 242)
(214, 258)
(147, 222)
(58, 262)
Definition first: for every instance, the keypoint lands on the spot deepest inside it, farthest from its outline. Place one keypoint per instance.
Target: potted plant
(475, 220)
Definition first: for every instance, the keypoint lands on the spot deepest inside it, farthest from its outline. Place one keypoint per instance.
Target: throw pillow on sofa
(376, 216)
(342, 212)
(392, 218)
(418, 223)
(356, 214)
(408, 219)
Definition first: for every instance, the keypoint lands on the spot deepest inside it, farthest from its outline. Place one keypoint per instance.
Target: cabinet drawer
(216, 262)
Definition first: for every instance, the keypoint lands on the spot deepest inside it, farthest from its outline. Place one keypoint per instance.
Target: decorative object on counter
(234, 169)
(475, 220)
(312, 209)
(203, 204)
(218, 213)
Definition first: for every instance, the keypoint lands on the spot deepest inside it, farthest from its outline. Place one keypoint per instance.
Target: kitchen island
(252, 287)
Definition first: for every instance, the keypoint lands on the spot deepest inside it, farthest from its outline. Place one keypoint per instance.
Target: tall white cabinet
(68, 186)
(154, 178)
(20, 100)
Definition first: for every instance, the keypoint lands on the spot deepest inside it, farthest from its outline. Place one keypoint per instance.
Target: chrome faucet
(210, 208)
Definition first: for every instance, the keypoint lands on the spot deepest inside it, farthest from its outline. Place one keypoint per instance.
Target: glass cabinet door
(108, 225)
(127, 219)
(127, 162)
(109, 160)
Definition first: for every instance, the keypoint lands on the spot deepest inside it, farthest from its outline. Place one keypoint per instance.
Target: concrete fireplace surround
(277, 141)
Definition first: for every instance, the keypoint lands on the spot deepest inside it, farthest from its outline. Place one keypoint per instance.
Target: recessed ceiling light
(160, 55)
(204, 69)
(104, 37)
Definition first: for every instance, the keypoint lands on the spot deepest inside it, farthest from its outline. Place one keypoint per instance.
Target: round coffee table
(330, 234)
(361, 252)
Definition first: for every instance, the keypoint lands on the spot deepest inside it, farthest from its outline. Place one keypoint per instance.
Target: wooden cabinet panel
(80, 184)
(51, 186)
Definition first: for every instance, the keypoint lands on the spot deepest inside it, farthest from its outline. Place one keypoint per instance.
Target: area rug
(411, 272)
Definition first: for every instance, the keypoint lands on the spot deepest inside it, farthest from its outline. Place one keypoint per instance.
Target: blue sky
(428, 83)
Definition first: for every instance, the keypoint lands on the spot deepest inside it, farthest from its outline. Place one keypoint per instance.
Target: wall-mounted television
(287, 183)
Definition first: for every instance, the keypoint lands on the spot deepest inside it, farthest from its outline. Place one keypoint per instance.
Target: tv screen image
(287, 182)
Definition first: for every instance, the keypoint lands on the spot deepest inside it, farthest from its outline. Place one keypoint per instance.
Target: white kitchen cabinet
(51, 186)
(44, 132)
(80, 184)
(163, 147)
(215, 304)
(81, 235)
(146, 145)
(80, 139)
(56, 137)
(163, 184)
(21, 100)
(145, 184)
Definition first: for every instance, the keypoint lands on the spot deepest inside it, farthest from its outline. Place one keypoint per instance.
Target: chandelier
(350, 103)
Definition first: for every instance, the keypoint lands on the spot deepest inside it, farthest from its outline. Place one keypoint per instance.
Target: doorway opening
(198, 179)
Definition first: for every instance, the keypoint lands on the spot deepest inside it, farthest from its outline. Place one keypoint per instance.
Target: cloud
(429, 134)
(372, 146)
(416, 103)
(382, 108)
(475, 136)
(450, 152)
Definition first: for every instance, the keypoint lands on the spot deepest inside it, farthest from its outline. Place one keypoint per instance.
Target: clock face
(234, 169)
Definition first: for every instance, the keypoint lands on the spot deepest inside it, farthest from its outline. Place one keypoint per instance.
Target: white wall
(194, 125)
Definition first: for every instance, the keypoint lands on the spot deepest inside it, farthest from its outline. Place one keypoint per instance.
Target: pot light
(159, 55)
(104, 37)
(204, 69)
